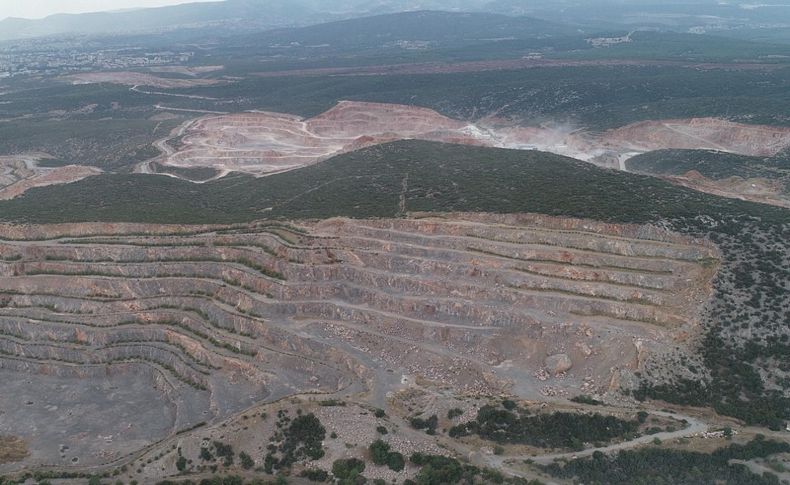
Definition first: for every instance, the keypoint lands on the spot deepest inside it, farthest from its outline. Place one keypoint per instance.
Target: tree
(314, 475)
(379, 452)
(429, 425)
(206, 455)
(246, 460)
(437, 469)
(454, 413)
(348, 468)
(395, 461)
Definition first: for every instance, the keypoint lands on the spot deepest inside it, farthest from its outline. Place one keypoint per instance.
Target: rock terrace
(206, 321)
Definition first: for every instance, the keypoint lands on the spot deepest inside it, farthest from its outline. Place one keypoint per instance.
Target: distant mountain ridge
(251, 14)
(438, 27)
(697, 16)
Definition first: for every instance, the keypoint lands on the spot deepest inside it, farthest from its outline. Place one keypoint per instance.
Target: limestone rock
(558, 363)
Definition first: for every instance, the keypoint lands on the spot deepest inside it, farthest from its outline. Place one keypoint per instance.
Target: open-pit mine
(264, 143)
(114, 337)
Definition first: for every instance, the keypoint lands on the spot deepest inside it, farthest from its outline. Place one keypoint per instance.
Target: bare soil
(12, 449)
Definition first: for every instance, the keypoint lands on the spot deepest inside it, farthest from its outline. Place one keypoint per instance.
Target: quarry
(260, 144)
(268, 242)
(265, 143)
(208, 321)
(21, 173)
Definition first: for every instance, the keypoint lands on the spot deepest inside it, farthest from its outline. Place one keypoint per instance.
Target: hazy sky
(41, 8)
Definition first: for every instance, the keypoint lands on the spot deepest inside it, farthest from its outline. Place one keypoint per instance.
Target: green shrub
(429, 425)
(454, 413)
(315, 475)
(348, 468)
(379, 451)
(246, 460)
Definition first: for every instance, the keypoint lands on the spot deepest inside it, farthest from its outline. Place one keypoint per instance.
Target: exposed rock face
(222, 317)
(700, 133)
(266, 143)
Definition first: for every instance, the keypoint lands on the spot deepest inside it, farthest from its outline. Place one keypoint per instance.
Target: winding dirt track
(695, 427)
(505, 463)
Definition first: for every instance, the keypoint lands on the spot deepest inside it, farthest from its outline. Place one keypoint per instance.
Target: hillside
(765, 179)
(369, 183)
(438, 27)
(266, 14)
(711, 164)
(393, 179)
(396, 241)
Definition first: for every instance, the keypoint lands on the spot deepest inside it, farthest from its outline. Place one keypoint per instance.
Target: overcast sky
(33, 9)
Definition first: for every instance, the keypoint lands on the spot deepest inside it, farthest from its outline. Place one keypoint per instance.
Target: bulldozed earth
(19, 174)
(192, 325)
